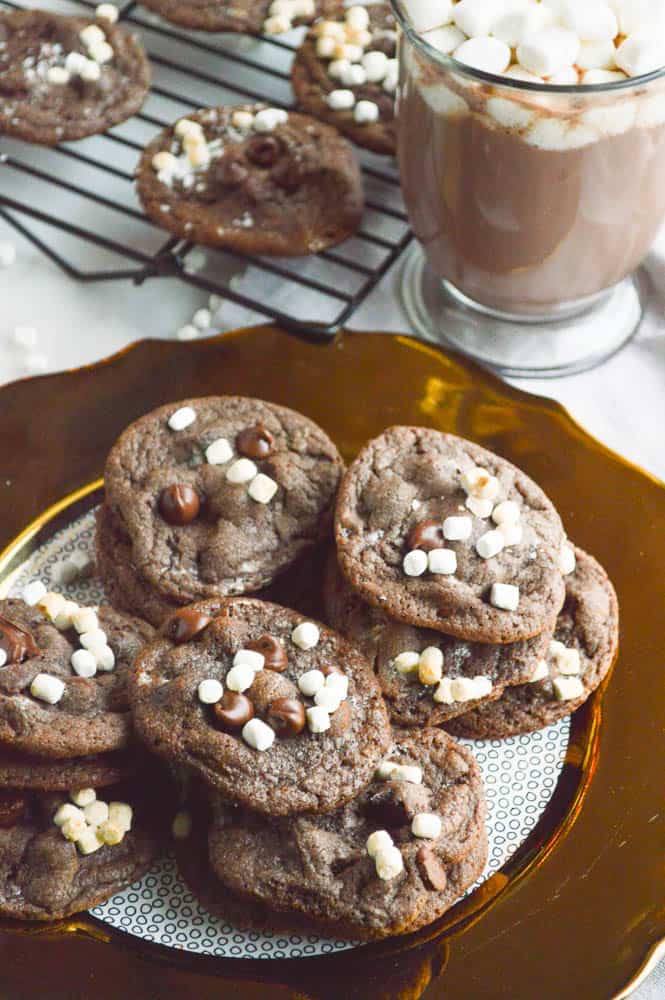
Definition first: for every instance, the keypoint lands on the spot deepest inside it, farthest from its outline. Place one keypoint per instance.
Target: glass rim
(449, 63)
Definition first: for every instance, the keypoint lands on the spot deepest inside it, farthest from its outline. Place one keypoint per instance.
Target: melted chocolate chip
(431, 870)
(263, 150)
(234, 710)
(179, 504)
(273, 652)
(426, 535)
(17, 641)
(185, 624)
(12, 807)
(255, 442)
(286, 716)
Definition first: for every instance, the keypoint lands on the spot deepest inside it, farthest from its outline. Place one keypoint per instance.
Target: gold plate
(578, 911)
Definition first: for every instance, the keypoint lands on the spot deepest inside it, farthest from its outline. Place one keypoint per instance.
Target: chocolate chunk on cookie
(279, 741)
(252, 178)
(256, 516)
(426, 677)
(440, 533)
(345, 73)
(578, 659)
(63, 853)
(391, 861)
(64, 78)
(23, 771)
(63, 677)
(253, 17)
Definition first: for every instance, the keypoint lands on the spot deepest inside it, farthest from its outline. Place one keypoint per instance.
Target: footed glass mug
(534, 206)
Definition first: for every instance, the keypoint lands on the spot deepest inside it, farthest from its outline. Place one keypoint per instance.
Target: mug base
(578, 337)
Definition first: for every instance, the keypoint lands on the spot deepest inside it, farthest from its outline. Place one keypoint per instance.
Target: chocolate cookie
(579, 658)
(219, 496)
(275, 712)
(442, 534)
(391, 861)
(252, 178)
(253, 17)
(426, 677)
(57, 858)
(21, 771)
(345, 73)
(63, 679)
(64, 78)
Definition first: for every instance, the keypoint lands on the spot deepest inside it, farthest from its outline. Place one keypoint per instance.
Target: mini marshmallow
(358, 37)
(329, 699)
(83, 663)
(490, 544)
(389, 862)
(567, 561)
(566, 659)
(83, 796)
(210, 691)
(540, 672)
(243, 470)
(463, 689)
(506, 512)
(375, 65)
(96, 812)
(58, 76)
(442, 562)
(443, 694)
(258, 735)
(481, 484)
(219, 452)
(306, 635)
(593, 77)
(93, 637)
(101, 52)
(568, 688)
(592, 20)
(483, 685)
(91, 35)
(249, 658)
(357, 17)
(107, 12)
(268, 119)
(68, 811)
(337, 68)
(353, 76)
(73, 828)
(90, 71)
(445, 39)
(516, 25)
(341, 100)
(568, 77)
(240, 678)
(242, 120)
(121, 814)
(89, 842)
(277, 24)
(518, 73)
(426, 825)
(512, 533)
(47, 688)
(505, 596)
(345, 50)
(391, 78)
(548, 51)
(33, 592)
(104, 658)
(378, 841)
(325, 47)
(597, 55)
(639, 15)
(75, 62)
(457, 529)
(476, 17)
(430, 666)
(318, 719)
(333, 29)
(481, 508)
(415, 562)
(262, 488)
(338, 683)
(185, 416)
(311, 682)
(408, 772)
(181, 827)
(85, 619)
(425, 15)
(407, 662)
(486, 54)
(110, 833)
(641, 53)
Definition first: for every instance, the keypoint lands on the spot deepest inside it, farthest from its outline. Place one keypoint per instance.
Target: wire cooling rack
(76, 202)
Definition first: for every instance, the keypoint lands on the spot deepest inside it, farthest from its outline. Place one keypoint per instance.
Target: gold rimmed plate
(578, 910)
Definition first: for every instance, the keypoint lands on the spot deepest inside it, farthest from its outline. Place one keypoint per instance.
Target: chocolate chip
(264, 150)
(17, 641)
(426, 535)
(286, 716)
(234, 710)
(230, 173)
(255, 442)
(185, 624)
(179, 504)
(431, 870)
(273, 652)
(12, 807)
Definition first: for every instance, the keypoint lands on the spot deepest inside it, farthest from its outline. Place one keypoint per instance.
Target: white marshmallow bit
(506, 512)
(268, 119)
(73, 828)
(325, 47)
(90, 71)
(639, 15)
(481, 508)
(75, 62)
(568, 77)
(258, 735)
(353, 76)
(181, 827)
(486, 54)
(329, 699)
(83, 796)
(505, 596)
(110, 833)
(338, 683)
(68, 811)
(391, 78)
(477, 17)
(457, 529)
(592, 20)
(482, 686)
(516, 25)
(242, 120)
(89, 842)
(568, 688)
(318, 719)
(185, 416)
(96, 812)
(85, 620)
(641, 53)
(83, 663)
(104, 658)
(592, 77)
(415, 562)
(91, 35)
(277, 24)
(408, 772)
(407, 662)
(262, 488)
(490, 544)
(426, 825)
(107, 12)
(311, 682)
(219, 452)
(518, 73)
(480, 483)
(389, 862)
(597, 55)
(443, 694)
(249, 658)
(540, 672)
(58, 76)
(375, 64)
(121, 814)
(341, 100)
(33, 592)
(306, 635)
(47, 688)
(463, 689)
(425, 15)
(512, 534)
(442, 562)
(566, 659)
(243, 470)
(567, 561)
(337, 68)
(210, 691)
(430, 666)
(378, 841)
(101, 52)
(95, 637)
(346, 50)
(240, 678)
(183, 128)
(548, 51)
(357, 17)
(445, 39)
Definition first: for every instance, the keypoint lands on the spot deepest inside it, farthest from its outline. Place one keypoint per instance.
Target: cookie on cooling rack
(252, 178)
(64, 78)
(345, 73)
(254, 17)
